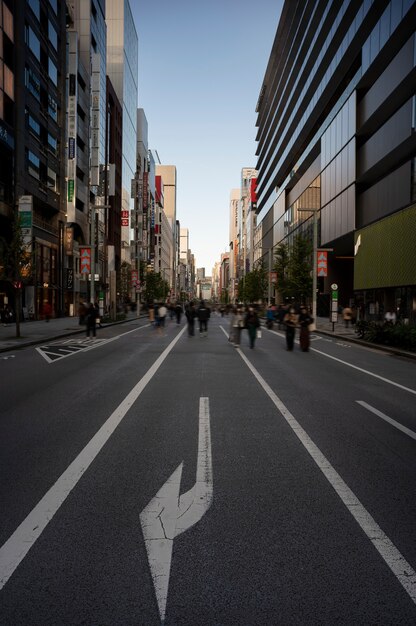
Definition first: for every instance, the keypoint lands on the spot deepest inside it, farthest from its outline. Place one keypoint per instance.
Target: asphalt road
(153, 478)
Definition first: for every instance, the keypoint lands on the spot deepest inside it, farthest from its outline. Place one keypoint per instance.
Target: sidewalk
(38, 332)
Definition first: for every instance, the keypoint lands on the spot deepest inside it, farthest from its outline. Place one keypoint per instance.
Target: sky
(201, 67)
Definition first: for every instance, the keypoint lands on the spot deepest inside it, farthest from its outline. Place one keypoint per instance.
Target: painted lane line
(360, 369)
(398, 565)
(388, 419)
(19, 543)
(167, 515)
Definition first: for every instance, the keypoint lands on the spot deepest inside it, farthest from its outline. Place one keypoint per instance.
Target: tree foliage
(16, 264)
(155, 287)
(294, 269)
(253, 286)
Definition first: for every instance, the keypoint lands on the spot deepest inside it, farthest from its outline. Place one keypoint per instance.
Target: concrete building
(122, 69)
(336, 141)
(32, 147)
(168, 174)
(234, 244)
(86, 154)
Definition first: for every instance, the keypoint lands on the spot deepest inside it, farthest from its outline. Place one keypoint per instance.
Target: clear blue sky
(201, 66)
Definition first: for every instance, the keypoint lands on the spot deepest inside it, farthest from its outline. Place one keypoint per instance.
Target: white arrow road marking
(167, 515)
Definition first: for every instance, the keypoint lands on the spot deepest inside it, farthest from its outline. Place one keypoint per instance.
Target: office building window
(53, 35)
(33, 125)
(33, 83)
(8, 22)
(51, 180)
(34, 5)
(52, 108)
(53, 72)
(33, 42)
(54, 5)
(52, 144)
(33, 164)
(9, 82)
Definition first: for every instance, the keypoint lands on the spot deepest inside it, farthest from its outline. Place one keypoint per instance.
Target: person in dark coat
(203, 314)
(91, 320)
(178, 312)
(305, 320)
(190, 317)
(252, 323)
(291, 321)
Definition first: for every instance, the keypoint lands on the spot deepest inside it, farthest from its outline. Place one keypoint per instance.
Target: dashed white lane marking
(388, 419)
(18, 545)
(398, 565)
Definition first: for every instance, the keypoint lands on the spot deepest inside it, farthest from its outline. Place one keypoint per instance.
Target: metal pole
(270, 275)
(315, 262)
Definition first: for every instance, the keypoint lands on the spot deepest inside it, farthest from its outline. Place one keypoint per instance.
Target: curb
(368, 344)
(70, 333)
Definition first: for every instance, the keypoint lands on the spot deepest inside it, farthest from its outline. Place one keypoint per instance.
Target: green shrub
(397, 335)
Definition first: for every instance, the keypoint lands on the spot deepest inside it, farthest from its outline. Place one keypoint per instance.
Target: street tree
(155, 287)
(16, 264)
(293, 266)
(300, 264)
(253, 286)
(281, 267)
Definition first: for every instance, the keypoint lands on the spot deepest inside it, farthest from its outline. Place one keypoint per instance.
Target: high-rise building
(86, 153)
(337, 142)
(168, 174)
(122, 68)
(32, 145)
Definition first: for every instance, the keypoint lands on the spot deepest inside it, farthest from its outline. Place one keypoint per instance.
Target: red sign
(322, 266)
(85, 260)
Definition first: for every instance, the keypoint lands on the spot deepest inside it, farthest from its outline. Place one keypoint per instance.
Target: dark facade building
(32, 138)
(336, 140)
(114, 137)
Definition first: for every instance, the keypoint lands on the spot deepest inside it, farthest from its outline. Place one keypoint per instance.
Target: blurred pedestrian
(91, 320)
(347, 316)
(178, 312)
(237, 325)
(203, 314)
(290, 321)
(190, 318)
(82, 312)
(47, 311)
(305, 320)
(269, 317)
(252, 323)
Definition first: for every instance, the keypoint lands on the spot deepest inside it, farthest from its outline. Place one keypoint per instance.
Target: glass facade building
(336, 135)
(122, 69)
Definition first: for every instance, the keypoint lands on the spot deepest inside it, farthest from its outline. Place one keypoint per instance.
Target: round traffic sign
(334, 286)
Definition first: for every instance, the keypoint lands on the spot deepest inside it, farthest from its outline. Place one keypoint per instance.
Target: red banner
(322, 265)
(85, 260)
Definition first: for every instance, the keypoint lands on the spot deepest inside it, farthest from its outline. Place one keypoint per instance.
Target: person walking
(178, 312)
(91, 320)
(305, 320)
(252, 323)
(347, 316)
(203, 314)
(190, 317)
(290, 321)
(237, 325)
(82, 313)
(269, 317)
